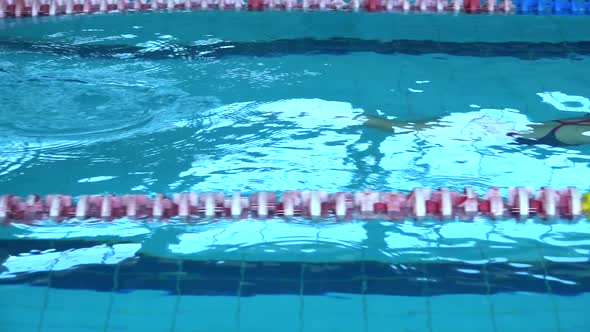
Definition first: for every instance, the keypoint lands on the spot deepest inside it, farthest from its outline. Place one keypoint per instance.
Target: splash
(566, 103)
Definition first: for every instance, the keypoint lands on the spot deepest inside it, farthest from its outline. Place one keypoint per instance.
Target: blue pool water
(212, 101)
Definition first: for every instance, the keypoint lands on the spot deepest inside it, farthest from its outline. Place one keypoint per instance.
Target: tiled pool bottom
(27, 308)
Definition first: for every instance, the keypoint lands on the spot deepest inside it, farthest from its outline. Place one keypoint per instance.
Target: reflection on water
(396, 259)
(292, 122)
(275, 124)
(304, 240)
(291, 143)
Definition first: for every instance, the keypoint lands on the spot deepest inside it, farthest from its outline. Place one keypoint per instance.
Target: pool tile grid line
(426, 290)
(301, 313)
(427, 296)
(86, 313)
(239, 295)
(254, 312)
(111, 297)
(46, 297)
(488, 287)
(178, 296)
(363, 292)
(439, 316)
(21, 306)
(552, 296)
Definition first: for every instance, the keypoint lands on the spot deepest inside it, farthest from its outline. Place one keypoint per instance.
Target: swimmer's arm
(395, 126)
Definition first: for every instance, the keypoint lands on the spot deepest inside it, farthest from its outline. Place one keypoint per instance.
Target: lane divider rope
(20, 8)
(443, 203)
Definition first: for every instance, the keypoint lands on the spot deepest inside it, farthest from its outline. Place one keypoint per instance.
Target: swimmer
(557, 133)
(481, 127)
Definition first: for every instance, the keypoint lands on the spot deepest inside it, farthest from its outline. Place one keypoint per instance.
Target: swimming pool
(210, 101)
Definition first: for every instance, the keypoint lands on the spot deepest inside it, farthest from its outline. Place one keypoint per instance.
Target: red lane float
(521, 203)
(20, 8)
